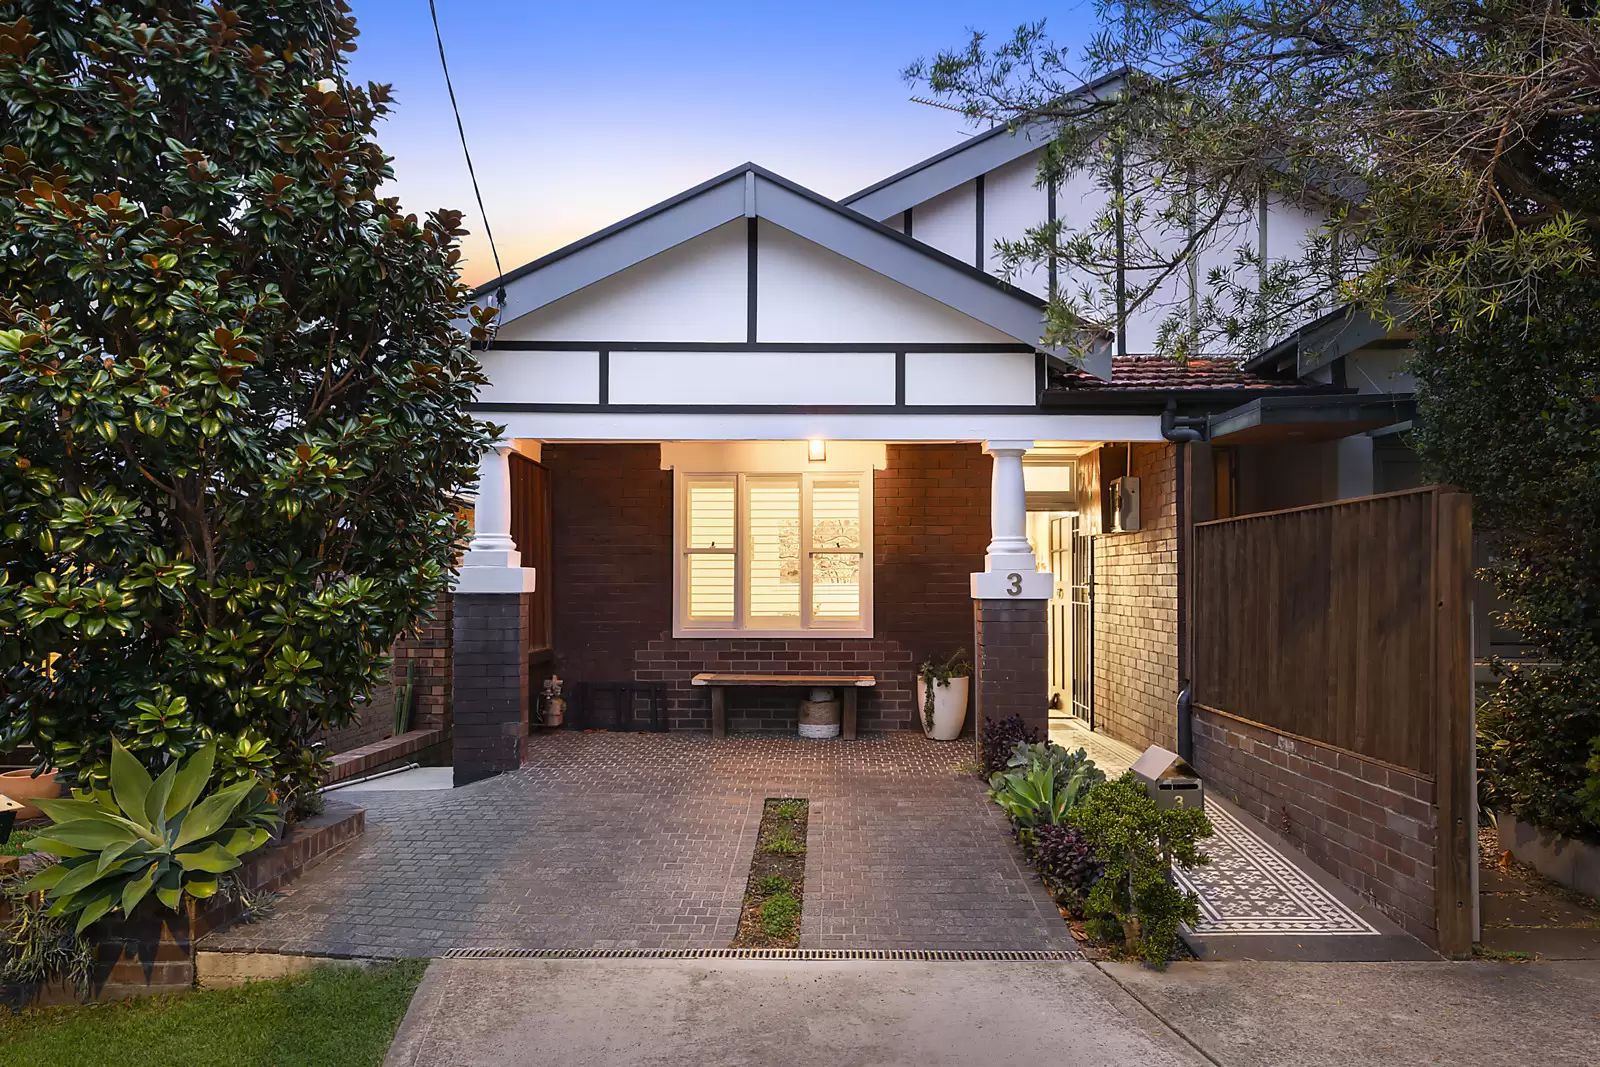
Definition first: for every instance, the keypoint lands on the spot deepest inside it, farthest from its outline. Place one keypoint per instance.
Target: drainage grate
(916, 955)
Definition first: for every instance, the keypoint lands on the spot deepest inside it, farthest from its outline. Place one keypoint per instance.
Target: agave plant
(142, 836)
(1065, 763)
(1040, 795)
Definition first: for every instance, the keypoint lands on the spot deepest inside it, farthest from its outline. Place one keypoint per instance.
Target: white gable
(808, 294)
(694, 291)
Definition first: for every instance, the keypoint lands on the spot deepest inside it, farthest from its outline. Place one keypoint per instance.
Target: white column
(1010, 570)
(492, 563)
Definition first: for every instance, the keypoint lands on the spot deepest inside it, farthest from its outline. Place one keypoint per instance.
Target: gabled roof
(961, 163)
(749, 191)
(1327, 338)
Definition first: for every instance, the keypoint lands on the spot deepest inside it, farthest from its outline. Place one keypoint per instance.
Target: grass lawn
(342, 1017)
(17, 845)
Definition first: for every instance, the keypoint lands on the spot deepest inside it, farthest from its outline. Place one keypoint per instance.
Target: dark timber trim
(605, 377)
(899, 379)
(1050, 209)
(905, 224)
(752, 256)
(978, 256)
(746, 346)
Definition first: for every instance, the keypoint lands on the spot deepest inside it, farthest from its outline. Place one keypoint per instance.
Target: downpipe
(1183, 430)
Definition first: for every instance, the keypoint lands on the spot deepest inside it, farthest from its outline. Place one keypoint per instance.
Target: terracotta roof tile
(1159, 372)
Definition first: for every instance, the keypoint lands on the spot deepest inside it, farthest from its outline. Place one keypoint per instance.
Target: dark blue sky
(579, 114)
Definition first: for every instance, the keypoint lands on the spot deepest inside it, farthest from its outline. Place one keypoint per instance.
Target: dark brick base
(1370, 825)
(1011, 640)
(490, 698)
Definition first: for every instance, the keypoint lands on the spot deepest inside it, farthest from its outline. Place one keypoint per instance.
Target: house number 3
(1015, 588)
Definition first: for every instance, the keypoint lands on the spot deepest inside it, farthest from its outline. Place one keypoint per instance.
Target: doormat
(1249, 887)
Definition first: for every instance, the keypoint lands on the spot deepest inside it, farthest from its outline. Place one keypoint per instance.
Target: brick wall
(612, 583)
(490, 675)
(1370, 825)
(429, 651)
(1012, 642)
(373, 721)
(1136, 612)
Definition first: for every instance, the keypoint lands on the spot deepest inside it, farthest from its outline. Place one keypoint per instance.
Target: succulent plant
(164, 836)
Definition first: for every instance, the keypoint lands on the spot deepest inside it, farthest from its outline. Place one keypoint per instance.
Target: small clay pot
(23, 787)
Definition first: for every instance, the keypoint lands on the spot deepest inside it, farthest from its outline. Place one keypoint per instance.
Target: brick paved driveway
(644, 841)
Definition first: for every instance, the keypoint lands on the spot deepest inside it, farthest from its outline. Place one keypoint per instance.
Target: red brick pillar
(1011, 669)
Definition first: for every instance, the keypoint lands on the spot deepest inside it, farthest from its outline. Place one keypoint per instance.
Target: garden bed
(154, 952)
(775, 890)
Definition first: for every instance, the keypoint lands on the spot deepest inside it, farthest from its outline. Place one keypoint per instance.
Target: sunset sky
(579, 114)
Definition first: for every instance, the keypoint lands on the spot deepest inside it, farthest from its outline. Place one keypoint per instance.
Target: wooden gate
(1340, 634)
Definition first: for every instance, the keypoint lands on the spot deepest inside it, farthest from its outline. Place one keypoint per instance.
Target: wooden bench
(719, 684)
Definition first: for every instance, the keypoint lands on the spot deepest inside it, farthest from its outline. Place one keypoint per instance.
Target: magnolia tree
(1448, 144)
(233, 406)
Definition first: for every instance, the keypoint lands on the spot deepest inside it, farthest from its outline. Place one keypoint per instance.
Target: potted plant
(942, 695)
(27, 785)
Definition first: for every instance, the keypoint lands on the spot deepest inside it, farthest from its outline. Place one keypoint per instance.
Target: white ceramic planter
(949, 708)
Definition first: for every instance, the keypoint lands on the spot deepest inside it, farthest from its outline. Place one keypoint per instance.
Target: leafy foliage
(780, 914)
(1001, 738)
(1449, 145)
(1508, 411)
(36, 946)
(1065, 763)
(932, 674)
(1138, 843)
(774, 883)
(164, 835)
(1044, 788)
(233, 403)
(1065, 860)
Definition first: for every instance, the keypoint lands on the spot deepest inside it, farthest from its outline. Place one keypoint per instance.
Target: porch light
(816, 450)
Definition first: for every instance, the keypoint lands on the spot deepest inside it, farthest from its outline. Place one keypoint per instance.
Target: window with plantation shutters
(774, 554)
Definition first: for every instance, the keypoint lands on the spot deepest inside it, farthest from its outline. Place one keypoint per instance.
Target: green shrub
(773, 884)
(782, 841)
(1138, 843)
(1507, 410)
(37, 946)
(165, 836)
(787, 809)
(1046, 786)
(779, 915)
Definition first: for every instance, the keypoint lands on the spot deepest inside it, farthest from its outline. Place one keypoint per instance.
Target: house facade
(755, 430)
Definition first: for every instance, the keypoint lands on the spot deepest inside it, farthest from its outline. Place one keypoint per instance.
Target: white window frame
(683, 626)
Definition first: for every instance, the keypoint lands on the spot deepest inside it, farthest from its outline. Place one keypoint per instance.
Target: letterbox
(1170, 781)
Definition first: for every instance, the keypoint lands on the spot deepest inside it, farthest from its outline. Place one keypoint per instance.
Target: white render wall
(1012, 205)
(808, 294)
(692, 292)
(763, 378)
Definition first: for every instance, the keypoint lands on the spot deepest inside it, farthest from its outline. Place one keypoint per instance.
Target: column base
(490, 681)
(1011, 640)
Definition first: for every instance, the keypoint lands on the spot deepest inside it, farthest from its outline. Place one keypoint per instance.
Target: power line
(500, 290)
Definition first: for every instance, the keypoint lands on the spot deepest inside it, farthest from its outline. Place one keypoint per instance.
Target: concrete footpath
(488, 1013)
